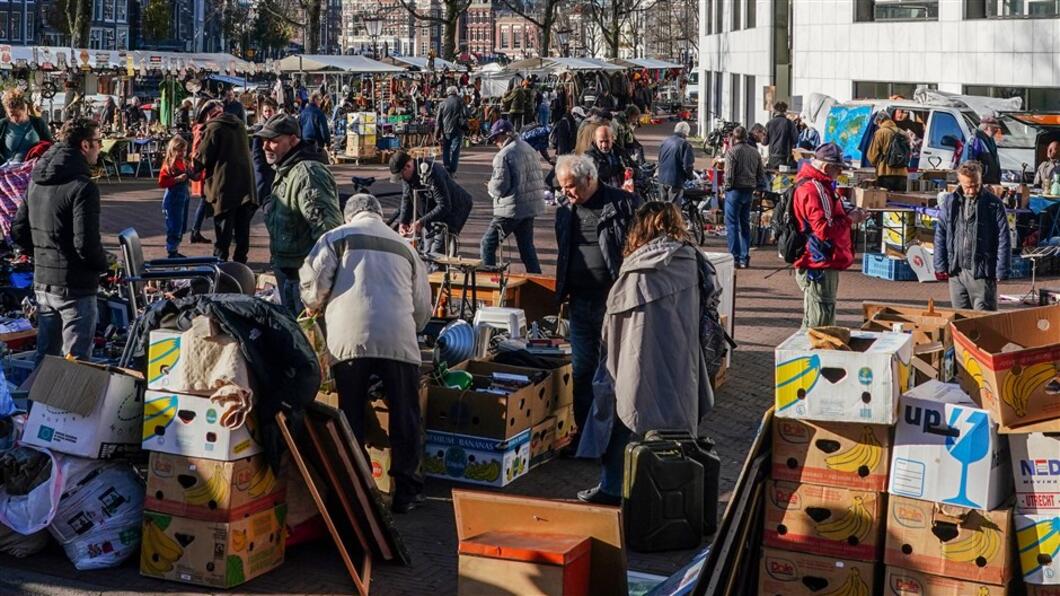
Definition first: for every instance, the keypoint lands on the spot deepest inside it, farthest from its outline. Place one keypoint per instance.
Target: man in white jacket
(373, 289)
(518, 191)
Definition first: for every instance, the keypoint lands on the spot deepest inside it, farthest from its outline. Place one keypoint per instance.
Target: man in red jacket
(829, 245)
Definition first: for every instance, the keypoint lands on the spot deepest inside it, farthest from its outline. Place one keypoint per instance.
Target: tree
(544, 19)
(157, 18)
(310, 25)
(72, 18)
(450, 18)
(612, 16)
(270, 34)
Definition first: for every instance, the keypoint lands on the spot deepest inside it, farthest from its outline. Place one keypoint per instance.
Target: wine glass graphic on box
(968, 447)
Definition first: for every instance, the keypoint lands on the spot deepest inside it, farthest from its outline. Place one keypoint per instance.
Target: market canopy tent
(550, 65)
(320, 63)
(49, 57)
(647, 64)
(419, 63)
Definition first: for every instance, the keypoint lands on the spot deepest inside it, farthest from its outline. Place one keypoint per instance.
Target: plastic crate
(388, 143)
(1020, 268)
(884, 267)
(18, 367)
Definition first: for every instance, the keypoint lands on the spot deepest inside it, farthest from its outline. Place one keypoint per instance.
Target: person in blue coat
(973, 248)
(315, 127)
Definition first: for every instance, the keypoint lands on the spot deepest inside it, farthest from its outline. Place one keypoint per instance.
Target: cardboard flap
(951, 514)
(69, 386)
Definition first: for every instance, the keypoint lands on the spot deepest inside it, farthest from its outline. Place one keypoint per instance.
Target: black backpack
(900, 151)
(791, 238)
(713, 338)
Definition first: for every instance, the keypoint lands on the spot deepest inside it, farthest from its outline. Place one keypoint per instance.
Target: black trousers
(233, 224)
(401, 384)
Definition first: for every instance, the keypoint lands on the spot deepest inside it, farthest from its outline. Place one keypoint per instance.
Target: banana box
(857, 385)
(211, 490)
(946, 449)
(209, 553)
(902, 582)
(950, 541)
(1007, 361)
(824, 520)
(783, 573)
(842, 454)
(477, 460)
(195, 426)
(1038, 545)
(197, 361)
(1036, 471)
(1035, 590)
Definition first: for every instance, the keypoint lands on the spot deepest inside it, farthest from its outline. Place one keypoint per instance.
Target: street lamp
(563, 35)
(374, 25)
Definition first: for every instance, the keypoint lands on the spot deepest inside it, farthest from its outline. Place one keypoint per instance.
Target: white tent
(550, 65)
(648, 63)
(494, 79)
(60, 57)
(420, 63)
(321, 63)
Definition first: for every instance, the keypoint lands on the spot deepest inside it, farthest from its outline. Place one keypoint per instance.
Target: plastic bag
(315, 334)
(99, 517)
(33, 512)
(7, 403)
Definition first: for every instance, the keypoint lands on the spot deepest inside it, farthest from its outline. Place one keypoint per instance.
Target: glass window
(944, 125)
(734, 97)
(108, 39)
(1046, 99)
(896, 10)
(752, 8)
(885, 90)
(122, 9)
(736, 15)
(719, 6)
(718, 90)
(97, 10)
(749, 100)
(504, 37)
(94, 37)
(709, 28)
(16, 26)
(3, 26)
(31, 34)
(517, 37)
(108, 10)
(1006, 9)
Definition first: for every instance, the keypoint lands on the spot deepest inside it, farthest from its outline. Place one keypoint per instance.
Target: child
(174, 177)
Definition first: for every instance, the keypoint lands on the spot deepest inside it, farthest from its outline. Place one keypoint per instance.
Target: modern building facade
(754, 50)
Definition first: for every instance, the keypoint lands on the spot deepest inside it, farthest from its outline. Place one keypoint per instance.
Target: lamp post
(374, 25)
(563, 35)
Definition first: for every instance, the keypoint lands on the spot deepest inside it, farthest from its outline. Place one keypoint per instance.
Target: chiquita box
(824, 520)
(784, 573)
(857, 385)
(846, 454)
(1038, 545)
(194, 426)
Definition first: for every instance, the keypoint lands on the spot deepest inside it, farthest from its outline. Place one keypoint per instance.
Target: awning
(334, 64)
(52, 57)
(234, 81)
(419, 62)
(648, 63)
(539, 65)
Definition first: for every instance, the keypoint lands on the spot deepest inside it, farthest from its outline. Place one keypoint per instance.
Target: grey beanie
(361, 202)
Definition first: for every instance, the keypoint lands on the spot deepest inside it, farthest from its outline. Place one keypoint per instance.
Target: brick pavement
(768, 309)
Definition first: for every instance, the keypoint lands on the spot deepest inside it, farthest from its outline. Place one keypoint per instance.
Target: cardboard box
(947, 450)
(566, 428)
(843, 454)
(211, 490)
(950, 541)
(542, 442)
(480, 413)
(1008, 361)
(1033, 590)
(902, 582)
(85, 410)
(477, 460)
(190, 425)
(169, 367)
(824, 520)
(215, 554)
(1036, 471)
(861, 385)
(784, 573)
(541, 392)
(524, 563)
(870, 198)
(933, 352)
(1038, 545)
(562, 387)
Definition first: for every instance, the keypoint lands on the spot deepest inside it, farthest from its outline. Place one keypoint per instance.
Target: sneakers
(596, 496)
(198, 238)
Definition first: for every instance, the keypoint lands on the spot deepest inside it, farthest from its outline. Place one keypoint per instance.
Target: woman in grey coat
(652, 374)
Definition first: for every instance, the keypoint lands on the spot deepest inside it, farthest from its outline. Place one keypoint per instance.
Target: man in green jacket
(303, 205)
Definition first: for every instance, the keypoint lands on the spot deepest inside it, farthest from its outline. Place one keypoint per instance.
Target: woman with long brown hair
(653, 374)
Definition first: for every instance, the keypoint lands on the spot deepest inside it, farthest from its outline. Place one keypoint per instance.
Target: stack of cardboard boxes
(215, 511)
(825, 503)
(361, 133)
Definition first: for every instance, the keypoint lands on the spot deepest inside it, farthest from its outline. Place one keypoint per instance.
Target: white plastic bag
(33, 512)
(99, 517)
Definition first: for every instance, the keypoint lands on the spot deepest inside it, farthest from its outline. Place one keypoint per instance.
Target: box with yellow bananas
(844, 454)
(950, 541)
(948, 450)
(195, 426)
(1038, 545)
(215, 554)
(859, 384)
(902, 582)
(211, 490)
(1036, 471)
(824, 520)
(1008, 361)
(784, 573)
(196, 361)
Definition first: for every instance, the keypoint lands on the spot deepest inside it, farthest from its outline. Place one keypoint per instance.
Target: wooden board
(480, 512)
(340, 541)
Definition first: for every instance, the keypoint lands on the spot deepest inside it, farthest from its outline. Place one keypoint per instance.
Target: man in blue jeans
(59, 223)
(743, 175)
(450, 126)
(518, 191)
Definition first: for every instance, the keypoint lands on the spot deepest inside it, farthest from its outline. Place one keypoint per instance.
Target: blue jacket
(314, 125)
(615, 221)
(993, 245)
(675, 161)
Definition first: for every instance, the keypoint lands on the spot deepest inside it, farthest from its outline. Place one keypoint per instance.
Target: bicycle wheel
(694, 218)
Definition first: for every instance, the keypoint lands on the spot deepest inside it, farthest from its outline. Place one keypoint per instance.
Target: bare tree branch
(269, 7)
(411, 7)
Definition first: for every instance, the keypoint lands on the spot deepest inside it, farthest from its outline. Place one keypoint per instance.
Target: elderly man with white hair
(676, 159)
(373, 290)
(591, 226)
(450, 125)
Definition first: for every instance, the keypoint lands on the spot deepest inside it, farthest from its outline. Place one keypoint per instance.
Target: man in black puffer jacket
(59, 223)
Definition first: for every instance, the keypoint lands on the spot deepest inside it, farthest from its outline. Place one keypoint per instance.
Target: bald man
(1044, 176)
(610, 163)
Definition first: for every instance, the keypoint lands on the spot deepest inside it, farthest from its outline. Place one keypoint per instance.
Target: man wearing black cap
(304, 202)
(430, 197)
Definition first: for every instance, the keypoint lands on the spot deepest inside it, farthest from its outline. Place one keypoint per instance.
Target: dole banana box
(1035, 590)
(215, 554)
(950, 541)
(1038, 547)
(946, 449)
(859, 385)
(1036, 471)
(211, 490)
(194, 426)
(784, 573)
(824, 520)
(845, 454)
(902, 582)
(1008, 362)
